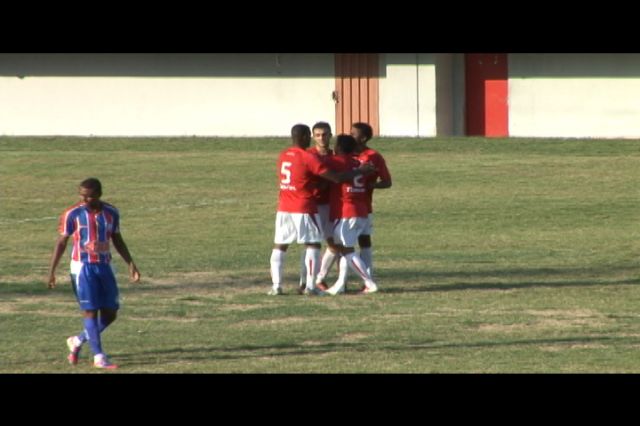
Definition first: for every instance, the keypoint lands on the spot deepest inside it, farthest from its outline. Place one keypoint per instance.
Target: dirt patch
(237, 307)
(501, 328)
(276, 321)
(571, 313)
(159, 318)
(353, 337)
(560, 348)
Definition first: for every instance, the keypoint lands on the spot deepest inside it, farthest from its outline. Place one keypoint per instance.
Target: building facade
(264, 94)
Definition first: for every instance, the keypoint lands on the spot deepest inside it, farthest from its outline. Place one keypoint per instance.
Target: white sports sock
(342, 276)
(312, 263)
(303, 268)
(358, 266)
(328, 259)
(277, 263)
(366, 254)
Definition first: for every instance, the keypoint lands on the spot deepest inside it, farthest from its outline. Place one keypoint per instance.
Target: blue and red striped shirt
(91, 231)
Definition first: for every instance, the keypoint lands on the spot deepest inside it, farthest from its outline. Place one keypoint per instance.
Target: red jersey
(322, 186)
(347, 199)
(296, 171)
(373, 156)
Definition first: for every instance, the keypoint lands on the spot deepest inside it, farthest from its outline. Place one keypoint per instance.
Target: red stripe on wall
(487, 94)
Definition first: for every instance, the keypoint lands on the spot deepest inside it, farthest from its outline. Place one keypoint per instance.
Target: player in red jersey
(321, 133)
(92, 223)
(349, 212)
(380, 179)
(297, 218)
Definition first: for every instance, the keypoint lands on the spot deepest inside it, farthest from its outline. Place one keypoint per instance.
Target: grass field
(493, 256)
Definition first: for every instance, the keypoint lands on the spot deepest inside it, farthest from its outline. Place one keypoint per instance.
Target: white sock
(328, 259)
(358, 266)
(342, 275)
(277, 262)
(367, 258)
(312, 263)
(303, 268)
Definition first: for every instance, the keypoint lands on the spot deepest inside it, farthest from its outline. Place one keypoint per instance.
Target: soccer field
(492, 256)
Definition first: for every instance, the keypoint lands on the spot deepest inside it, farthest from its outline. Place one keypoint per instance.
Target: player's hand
(367, 168)
(51, 281)
(134, 274)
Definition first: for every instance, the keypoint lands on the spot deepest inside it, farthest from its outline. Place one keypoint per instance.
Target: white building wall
(169, 95)
(574, 95)
(408, 95)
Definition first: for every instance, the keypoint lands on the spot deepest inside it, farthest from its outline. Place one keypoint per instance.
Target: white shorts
(303, 228)
(347, 230)
(368, 227)
(326, 224)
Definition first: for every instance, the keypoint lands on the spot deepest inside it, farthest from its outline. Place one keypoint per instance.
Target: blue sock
(91, 331)
(101, 326)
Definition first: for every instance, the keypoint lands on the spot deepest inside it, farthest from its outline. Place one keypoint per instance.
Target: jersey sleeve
(315, 165)
(116, 222)
(67, 224)
(381, 168)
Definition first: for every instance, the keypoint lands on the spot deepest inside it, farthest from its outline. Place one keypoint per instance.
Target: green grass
(499, 255)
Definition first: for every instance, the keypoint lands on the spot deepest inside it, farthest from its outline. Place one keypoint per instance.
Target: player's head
(345, 144)
(301, 135)
(362, 132)
(321, 132)
(90, 191)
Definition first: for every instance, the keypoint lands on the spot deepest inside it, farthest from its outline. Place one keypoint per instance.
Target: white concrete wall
(169, 95)
(408, 95)
(574, 95)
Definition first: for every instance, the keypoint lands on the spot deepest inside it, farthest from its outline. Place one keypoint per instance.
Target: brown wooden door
(356, 94)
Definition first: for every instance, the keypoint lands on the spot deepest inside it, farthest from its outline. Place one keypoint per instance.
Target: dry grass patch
(353, 337)
(268, 322)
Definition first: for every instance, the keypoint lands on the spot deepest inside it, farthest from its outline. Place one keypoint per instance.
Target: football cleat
(314, 292)
(335, 290)
(101, 361)
(371, 289)
(322, 286)
(74, 350)
(275, 292)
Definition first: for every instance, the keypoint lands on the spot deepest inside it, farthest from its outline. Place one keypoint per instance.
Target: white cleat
(275, 292)
(370, 289)
(314, 292)
(334, 290)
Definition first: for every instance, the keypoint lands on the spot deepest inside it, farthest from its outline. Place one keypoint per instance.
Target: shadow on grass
(417, 281)
(515, 279)
(213, 353)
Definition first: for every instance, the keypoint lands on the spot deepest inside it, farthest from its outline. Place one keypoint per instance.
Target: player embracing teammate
(297, 218)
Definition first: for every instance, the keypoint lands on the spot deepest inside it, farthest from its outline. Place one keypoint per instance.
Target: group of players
(323, 195)
(327, 195)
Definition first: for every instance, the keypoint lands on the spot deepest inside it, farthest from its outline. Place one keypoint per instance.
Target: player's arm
(123, 250)
(58, 251)
(384, 177)
(338, 177)
(382, 184)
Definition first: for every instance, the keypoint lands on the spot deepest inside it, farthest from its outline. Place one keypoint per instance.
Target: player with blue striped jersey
(92, 224)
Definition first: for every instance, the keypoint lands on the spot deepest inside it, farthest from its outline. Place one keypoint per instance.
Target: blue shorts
(94, 285)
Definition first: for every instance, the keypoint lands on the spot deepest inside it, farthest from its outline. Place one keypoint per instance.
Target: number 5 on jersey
(285, 172)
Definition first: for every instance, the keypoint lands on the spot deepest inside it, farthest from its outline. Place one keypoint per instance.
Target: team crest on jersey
(96, 247)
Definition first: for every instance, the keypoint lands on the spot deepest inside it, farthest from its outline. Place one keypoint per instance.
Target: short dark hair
(300, 130)
(365, 129)
(322, 125)
(93, 184)
(346, 143)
